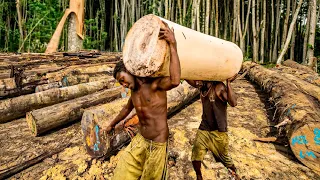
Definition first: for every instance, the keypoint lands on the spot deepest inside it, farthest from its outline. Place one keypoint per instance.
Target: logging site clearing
(260, 132)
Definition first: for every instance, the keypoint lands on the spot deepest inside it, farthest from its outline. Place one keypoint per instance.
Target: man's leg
(199, 150)
(197, 169)
(131, 160)
(155, 166)
(220, 149)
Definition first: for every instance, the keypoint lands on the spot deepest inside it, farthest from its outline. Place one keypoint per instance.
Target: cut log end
(143, 48)
(305, 144)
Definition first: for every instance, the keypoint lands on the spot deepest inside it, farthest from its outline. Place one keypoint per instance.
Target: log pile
(20, 75)
(297, 105)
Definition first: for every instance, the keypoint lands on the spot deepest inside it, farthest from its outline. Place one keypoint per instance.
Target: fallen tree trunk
(72, 80)
(99, 144)
(296, 65)
(16, 107)
(45, 119)
(312, 78)
(34, 61)
(10, 88)
(303, 131)
(304, 86)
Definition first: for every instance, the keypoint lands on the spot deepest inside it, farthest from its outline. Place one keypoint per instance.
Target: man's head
(121, 74)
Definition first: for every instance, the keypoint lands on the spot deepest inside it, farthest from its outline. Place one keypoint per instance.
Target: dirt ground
(249, 120)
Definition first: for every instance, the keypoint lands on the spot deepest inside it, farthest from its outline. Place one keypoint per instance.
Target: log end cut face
(96, 141)
(305, 144)
(143, 52)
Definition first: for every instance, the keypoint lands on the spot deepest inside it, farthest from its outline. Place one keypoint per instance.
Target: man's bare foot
(233, 174)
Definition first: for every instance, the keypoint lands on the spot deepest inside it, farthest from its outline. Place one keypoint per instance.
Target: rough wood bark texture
(202, 57)
(302, 111)
(29, 61)
(296, 65)
(76, 7)
(45, 119)
(100, 144)
(68, 76)
(311, 78)
(18, 106)
(74, 41)
(304, 86)
(72, 80)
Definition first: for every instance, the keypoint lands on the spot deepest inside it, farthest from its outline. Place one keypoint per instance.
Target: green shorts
(142, 159)
(215, 141)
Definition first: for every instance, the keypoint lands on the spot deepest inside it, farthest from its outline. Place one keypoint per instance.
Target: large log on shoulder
(312, 78)
(16, 107)
(100, 144)
(296, 65)
(45, 119)
(202, 57)
(303, 128)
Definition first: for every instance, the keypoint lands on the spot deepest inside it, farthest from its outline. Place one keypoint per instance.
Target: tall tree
(254, 32)
(264, 19)
(286, 45)
(313, 24)
(275, 45)
(306, 36)
(293, 40)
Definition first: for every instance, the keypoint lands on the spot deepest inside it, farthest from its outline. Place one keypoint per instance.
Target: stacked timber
(25, 74)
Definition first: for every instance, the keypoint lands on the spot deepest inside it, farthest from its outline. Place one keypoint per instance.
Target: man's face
(199, 84)
(126, 80)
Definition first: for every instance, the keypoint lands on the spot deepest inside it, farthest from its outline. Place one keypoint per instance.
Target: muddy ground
(249, 120)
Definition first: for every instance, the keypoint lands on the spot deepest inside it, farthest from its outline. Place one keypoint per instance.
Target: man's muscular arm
(168, 83)
(122, 115)
(226, 93)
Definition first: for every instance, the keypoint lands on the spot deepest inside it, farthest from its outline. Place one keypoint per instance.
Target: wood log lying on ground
(312, 78)
(71, 81)
(45, 119)
(99, 144)
(11, 87)
(16, 107)
(296, 65)
(303, 131)
(34, 61)
(304, 86)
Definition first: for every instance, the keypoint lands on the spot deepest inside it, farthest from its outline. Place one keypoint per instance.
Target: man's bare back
(148, 95)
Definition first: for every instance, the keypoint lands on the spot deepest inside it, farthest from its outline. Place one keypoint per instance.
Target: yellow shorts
(142, 159)
(215, 141)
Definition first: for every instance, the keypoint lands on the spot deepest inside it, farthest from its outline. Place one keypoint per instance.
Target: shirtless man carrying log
(145, 157)
(212, 133)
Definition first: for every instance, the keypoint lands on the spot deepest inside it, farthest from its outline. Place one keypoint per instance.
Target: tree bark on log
(71, 81)
(296, 65)
(304, 86)
(99, 144)
(34, 61)
(45, 119)
(10, 88)
(16, 107)
(303, 131)
(311, 78)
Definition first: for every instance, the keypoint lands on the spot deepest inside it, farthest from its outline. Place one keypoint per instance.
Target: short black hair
(119, 67)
